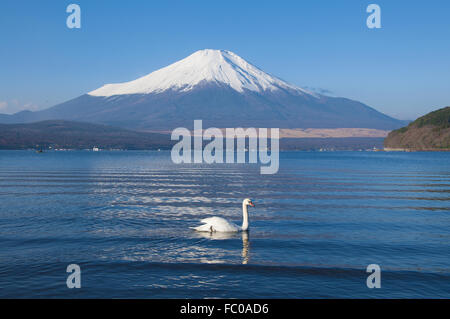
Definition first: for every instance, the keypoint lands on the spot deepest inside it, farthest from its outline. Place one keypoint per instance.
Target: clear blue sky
(402, 69)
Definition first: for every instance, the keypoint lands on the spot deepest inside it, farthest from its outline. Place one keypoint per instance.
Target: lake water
(124, 218)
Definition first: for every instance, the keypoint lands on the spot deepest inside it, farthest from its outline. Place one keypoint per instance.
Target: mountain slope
(218, 87)
(429, 132)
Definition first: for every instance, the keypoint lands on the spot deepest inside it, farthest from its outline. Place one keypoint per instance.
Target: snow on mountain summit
(220, 66)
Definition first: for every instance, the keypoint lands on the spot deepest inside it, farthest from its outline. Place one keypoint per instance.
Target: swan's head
(248, 202)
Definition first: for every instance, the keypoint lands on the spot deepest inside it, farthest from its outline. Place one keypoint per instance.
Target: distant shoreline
(388, 149)
(281, 150)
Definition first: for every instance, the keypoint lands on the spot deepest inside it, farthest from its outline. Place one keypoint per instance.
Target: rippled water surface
(124, 217)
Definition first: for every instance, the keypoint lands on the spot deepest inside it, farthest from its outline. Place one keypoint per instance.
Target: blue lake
(124, 218)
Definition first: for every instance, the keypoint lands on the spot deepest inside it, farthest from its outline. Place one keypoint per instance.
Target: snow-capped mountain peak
(219, 66)
(218, 87)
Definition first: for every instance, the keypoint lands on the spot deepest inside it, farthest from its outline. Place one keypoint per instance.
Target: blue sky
(402, 69)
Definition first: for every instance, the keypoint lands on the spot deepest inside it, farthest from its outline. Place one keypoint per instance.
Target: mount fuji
(218, 87)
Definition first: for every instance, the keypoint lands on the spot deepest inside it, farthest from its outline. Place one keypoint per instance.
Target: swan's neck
(244, 217)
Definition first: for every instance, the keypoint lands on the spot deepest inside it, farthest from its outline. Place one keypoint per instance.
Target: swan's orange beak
(251, 204)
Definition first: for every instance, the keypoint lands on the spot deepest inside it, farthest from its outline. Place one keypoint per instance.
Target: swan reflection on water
(223, 236)
(245, 247)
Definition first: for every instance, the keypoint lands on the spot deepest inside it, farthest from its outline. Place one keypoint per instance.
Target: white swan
(219, 224)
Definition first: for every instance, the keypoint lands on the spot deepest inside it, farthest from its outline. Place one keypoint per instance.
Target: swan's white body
(219, 224)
